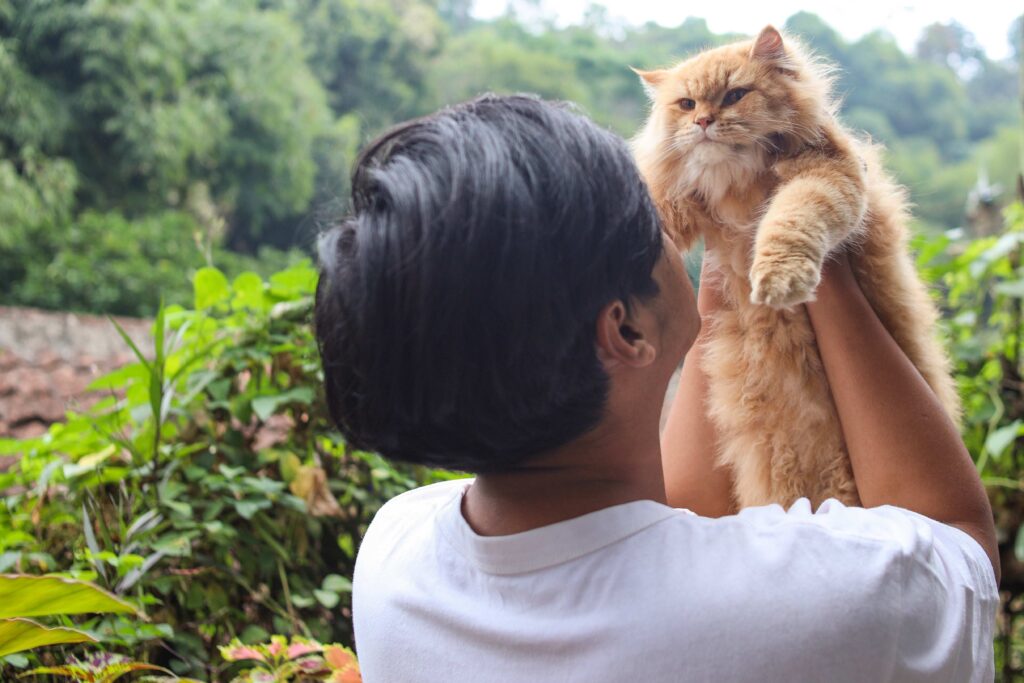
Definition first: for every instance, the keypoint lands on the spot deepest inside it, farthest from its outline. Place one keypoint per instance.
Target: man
(502, 301)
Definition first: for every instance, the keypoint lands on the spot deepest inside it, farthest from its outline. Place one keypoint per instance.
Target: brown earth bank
(47, 359)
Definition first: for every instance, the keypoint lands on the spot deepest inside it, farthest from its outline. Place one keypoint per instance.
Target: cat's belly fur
(769, 399)
(768, 395)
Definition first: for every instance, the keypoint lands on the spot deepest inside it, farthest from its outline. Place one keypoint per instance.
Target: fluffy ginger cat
(743, 148)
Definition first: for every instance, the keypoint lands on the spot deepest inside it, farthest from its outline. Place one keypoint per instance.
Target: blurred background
(170, 163)
(139, 140)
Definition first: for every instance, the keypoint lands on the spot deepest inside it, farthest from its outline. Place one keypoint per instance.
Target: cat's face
(736, 103)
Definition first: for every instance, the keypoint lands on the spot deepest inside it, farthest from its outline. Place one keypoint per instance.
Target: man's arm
(904, 449)
(688, 445)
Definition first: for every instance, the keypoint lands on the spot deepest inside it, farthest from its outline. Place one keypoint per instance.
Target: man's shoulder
(870, 541)
(431, 495)
(412, 508)
(428, 495)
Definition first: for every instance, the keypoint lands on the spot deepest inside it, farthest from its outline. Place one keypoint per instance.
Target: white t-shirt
(645, 593)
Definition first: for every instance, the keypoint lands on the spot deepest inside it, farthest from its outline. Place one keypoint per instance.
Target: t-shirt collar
(549, 545)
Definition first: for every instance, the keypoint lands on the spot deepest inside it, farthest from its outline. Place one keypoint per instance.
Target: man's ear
(621, 340)
(651, 80)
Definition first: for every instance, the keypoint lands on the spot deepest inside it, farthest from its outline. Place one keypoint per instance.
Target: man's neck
(596, 471)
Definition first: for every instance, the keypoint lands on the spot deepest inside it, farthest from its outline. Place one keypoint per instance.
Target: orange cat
(743, 148)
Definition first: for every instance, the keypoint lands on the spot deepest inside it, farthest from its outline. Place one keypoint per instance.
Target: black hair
(457, 304)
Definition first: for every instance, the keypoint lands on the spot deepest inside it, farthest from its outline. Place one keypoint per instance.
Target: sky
(988, 20)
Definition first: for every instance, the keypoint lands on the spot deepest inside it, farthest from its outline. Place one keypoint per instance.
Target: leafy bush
(983, 286)
(44, 596)
(208, 486)
(301, 659)
(103, 262)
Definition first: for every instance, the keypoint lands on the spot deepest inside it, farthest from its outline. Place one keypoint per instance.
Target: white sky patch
(988, 20)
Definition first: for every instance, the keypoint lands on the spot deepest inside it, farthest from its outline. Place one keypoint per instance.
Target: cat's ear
(768, 45)
(651, 80)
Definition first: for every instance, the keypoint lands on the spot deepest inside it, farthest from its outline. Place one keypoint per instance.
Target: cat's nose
(705, 121)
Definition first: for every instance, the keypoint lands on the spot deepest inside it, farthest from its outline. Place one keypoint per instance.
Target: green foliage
(503, 62)
(17, 635)
(154, 97)
(36, 596)
(139, 116)
(209, 485)
(43, 596)
(154, 152)
(100, 668)
(370, 57)
(984, 280)
(54, 264)
(983, 285)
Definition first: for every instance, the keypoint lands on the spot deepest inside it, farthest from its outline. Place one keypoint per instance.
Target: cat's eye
(686, 104)
(734, 96)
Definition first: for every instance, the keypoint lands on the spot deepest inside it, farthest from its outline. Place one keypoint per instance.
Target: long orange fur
(774, 185)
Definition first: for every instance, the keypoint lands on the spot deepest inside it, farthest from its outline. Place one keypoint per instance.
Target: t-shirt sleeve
(949, 603)
(947, 593)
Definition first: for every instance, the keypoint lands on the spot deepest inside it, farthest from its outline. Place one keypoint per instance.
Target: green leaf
(263, 485)
(211, 288)
(17, 635)
(1015, 288)
(230, 472)
(337, 584)
(295, 281)
(326, 598)
(303, 601)
(159, 339)
(120, 378)
(17, 661)
(265, 406)
(247, 508)
(289, 464)
(1018, 545)
(88, 463)
(34, 596)
(248, 289)
(175, 546)
(128, 340)
(1000, 439)
(253, 634)
(182, 509)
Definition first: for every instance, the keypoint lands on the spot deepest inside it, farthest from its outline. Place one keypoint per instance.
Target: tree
(156, 96)
(505, 59)
(371, 57)
(950, 45)
(820, 36)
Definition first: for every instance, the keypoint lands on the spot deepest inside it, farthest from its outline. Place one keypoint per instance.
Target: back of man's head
(457, 303)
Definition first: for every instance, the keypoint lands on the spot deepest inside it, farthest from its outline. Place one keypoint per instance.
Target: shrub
(208, 486)
(983, 286)
(106, 263)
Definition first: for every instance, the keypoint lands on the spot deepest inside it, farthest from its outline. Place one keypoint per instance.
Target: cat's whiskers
(799, 129)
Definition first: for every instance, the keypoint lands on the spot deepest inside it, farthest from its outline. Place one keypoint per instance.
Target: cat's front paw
(783, 282)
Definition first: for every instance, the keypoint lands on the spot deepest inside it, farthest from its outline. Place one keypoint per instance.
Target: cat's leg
(684, 220)
(818, 206)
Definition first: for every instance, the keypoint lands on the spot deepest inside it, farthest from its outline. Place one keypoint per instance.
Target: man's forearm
(904, 449)
(688, 447)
